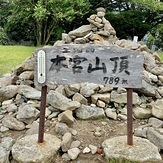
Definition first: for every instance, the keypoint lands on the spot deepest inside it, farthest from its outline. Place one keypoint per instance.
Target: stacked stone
(99, 30)
(20, 101)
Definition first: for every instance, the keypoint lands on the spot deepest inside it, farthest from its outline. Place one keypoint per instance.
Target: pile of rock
(98, 30)
(20, 100)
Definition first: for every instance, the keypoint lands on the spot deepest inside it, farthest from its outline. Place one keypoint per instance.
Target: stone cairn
(20, 100)
(97, 31)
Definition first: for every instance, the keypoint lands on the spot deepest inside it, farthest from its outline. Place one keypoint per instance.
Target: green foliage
(157, 32)
(152, 5)
(150, 40)
(41, 18)
(4, 39)
(129, 23)
(5, 12)
(41, 21)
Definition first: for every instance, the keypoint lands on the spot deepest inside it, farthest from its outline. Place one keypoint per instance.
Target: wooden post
(42, 114)
(129, 117)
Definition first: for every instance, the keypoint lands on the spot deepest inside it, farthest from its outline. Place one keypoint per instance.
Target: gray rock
(147, 89)
(160, 90)
(157, 70)
(121, 90)
(157, 109)
(154, 137)
(62, 128)
(75, 144)
(78, 97)
(27, 114)
(100, 104)
(5, 80)
(27, 75)
(27, 149)
(4, 129)
(122, 43)
(81, 40)
(12, 123)
(5, 147)
(156, 123)
(66, 38)
(75, 87)
(34, 127)
(53, 109)
(149, 61)
(122, 98)
(132, 45)
(122, 117)
(93, 148)
(106, 89)
(6, 104)
(66, 117)
(88, 112)
(97, 134)
(98, 25)
(61, 89)
(47, 112)
(141, 132)
(27, 65)
(60, 102)
(111, 114)
(53, 115)
(103, 97)
(81, 31)
(88, 89)
(73, 153)
(66, 157)
(142, 113)
(8, 92)
(66, 141)
(144, 48)
(142, 150)
(149, 77)
(160, 77)
(69, 92)
(29, 92)
(86, 150)
(12, 108)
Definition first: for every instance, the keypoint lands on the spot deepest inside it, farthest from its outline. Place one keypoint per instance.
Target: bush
(4, 39)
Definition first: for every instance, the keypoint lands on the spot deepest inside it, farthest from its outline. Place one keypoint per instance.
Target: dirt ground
(85, 134)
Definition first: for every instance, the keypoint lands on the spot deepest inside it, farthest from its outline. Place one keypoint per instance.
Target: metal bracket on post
(129, 117)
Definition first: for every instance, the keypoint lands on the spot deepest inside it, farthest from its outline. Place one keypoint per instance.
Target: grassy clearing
(11, 56)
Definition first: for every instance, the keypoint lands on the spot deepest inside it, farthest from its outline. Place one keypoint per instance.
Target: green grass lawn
(11, 56)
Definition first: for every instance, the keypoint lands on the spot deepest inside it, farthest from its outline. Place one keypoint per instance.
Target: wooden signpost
(107, 65)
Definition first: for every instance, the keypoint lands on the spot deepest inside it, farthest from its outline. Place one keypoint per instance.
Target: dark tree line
(42, 22)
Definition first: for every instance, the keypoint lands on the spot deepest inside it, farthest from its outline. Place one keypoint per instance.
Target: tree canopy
(42, 21)
(39, 18)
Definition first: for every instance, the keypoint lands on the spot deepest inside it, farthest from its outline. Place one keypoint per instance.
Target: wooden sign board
(106, 65)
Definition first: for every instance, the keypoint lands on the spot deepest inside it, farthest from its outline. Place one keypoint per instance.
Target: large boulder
(157, 109)
(141, 150)
(28, 150)
(89, 112)
(61, 102)
(8, 92)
